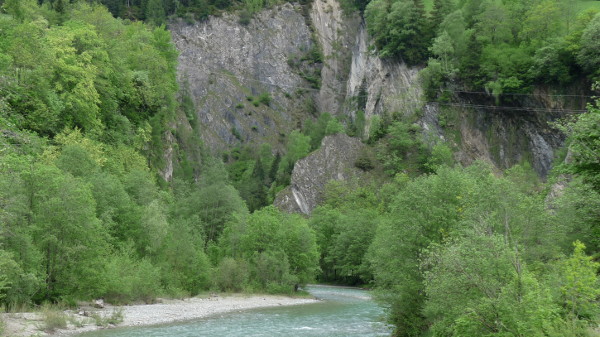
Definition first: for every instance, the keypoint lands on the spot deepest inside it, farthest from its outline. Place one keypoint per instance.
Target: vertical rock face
(335, 31)
(226, 66)
(522, 132)
(333, 161)
(502, 138)
(381, 85)
(167, 171)
(508, 138)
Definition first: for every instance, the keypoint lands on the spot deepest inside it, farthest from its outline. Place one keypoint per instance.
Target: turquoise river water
(341, 312)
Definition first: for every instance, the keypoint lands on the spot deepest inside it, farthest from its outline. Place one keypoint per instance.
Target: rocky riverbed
(167, 311)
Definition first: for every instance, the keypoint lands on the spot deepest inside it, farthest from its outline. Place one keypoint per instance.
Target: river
(341, 312)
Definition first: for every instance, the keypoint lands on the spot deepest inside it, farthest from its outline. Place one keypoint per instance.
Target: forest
(502, 47)
(89, 88)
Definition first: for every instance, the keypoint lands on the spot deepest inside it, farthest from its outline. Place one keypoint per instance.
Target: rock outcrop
(506, 137)
(335, 32)
(309, 61)
(335, 160)
(227, 66)
(381, 85)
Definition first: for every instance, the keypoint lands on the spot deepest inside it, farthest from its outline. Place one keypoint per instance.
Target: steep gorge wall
(376, 86)
(223, 63)
(225, 66)
(335, 31)
(516, 131)
(506, 138)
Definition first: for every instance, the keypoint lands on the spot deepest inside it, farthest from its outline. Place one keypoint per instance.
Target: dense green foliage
(465, 251)
(345, 224)
(399, 29)
(584, 145)
(452, 251)
(77, 74)
(259, 175)
(85, 102)
(499, 46)
(156, 12)
(278, 250)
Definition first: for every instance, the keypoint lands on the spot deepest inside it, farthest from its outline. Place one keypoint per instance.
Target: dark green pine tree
(155, 12)
(114, 6)
(424, 35)
(441, 8)
(274, 167)
(59, 6)
(258, 189)
(171, 6)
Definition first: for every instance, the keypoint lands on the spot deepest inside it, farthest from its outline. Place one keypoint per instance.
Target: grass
(114, 318)
(54, 318)
(75, 322)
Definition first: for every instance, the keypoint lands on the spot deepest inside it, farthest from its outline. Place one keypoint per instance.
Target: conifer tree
(155, 12)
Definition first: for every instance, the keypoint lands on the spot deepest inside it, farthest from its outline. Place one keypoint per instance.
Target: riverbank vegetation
(86, 103)
(470, 251)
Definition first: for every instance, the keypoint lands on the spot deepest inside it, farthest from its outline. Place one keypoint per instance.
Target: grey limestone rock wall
(227, 66)
(336, 33)
(224, 63)
(334, 160)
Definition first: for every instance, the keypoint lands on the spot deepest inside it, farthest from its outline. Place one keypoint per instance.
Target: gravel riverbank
(168, 311)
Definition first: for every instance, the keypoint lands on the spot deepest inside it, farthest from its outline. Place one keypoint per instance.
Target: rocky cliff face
(380, 85)
(335, 32)
(516, 132)
(334, 160)
(321, 62)
(227, 66)
(507, 138)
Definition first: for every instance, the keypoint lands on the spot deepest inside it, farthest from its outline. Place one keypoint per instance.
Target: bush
(236, 133)
(129, 279)
(334, 127)
(441, 154)
(265, 98)
(364, 162)
(232, 275)
(245, 17)
(377, 129)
